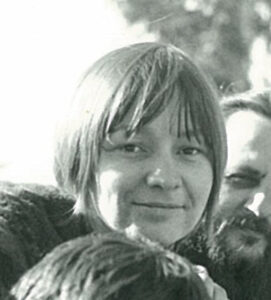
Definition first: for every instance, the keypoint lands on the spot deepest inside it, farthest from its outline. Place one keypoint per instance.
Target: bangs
(195, 108)
(146, 91)
(143, 98)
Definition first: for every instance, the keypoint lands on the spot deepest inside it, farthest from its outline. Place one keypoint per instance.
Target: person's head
(110, 267)
(143, 145)
(245, 202)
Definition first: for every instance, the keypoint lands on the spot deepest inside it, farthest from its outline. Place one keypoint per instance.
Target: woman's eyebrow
(147, 132)
(121, 133)
(191, 134)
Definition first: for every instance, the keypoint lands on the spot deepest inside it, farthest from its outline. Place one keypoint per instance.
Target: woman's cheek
(116, 185)
(202, 177)
(202, 180)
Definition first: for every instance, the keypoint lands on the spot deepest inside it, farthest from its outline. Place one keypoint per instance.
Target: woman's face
(154, 183)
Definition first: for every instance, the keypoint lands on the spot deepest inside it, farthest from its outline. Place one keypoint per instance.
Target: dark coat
(33, 220)
(242, 281)
(36, 218)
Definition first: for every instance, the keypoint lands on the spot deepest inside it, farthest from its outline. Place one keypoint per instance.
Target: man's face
(244, 214)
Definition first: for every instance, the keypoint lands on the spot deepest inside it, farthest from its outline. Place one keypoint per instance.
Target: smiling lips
(159, 205)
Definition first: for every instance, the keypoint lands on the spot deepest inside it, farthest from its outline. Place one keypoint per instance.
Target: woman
(142, 149)
(142, 146)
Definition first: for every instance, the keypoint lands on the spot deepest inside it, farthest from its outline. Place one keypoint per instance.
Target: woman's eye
(190, 151)
(242, 181)
(131, 148)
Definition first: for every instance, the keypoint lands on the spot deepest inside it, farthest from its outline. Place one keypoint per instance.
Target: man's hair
(110, 267)
(141, 79)
(258, 101)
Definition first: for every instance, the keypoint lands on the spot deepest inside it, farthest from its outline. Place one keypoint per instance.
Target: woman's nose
(166, 178)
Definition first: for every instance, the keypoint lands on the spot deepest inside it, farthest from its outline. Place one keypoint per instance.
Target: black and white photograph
(135, 155)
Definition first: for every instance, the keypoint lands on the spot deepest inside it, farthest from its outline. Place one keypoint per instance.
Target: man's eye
(242, 181)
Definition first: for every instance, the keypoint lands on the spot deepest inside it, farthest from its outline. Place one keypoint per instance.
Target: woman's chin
(136, 232)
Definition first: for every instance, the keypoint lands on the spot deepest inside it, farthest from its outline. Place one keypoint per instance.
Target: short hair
(110, 267)
(258, 101)
(141, 78)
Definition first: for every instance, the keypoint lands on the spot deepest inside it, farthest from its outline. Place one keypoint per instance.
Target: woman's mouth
(159, 205)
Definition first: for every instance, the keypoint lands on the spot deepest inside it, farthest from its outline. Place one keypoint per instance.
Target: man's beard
(237, 255)
(240, 253)
(240, 236)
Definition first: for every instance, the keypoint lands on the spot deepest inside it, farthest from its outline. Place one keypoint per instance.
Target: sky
(45, 47)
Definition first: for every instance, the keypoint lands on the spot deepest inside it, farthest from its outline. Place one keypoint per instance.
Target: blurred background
(47, 44)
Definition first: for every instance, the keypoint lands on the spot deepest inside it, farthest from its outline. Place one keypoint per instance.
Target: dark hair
(258, 101)
(110, 267)
(141, 78)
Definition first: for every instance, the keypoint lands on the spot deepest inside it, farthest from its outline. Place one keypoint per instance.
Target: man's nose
(254, 204)
(259, 204)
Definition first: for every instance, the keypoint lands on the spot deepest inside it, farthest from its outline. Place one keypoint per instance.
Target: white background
(45, 45)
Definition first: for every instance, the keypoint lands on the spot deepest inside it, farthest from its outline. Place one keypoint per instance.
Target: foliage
(217, 34)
